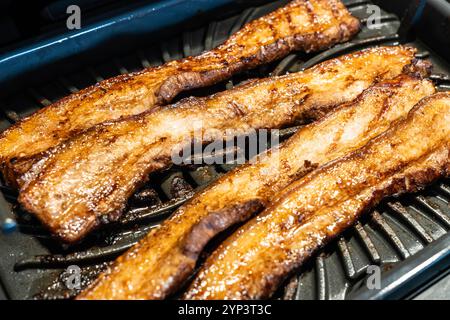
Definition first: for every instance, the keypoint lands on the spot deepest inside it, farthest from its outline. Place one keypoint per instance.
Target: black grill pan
(407, 237)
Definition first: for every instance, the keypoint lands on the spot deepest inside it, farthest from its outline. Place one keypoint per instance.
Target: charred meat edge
(230, 200)
(88, 179)
(411, 154)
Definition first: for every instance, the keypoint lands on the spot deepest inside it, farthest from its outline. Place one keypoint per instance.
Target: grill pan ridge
(401, 233)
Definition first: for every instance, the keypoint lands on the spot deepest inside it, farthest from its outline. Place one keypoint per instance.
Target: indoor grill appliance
(408, 237)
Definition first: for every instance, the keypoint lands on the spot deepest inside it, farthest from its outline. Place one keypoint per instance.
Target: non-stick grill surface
(33, 264)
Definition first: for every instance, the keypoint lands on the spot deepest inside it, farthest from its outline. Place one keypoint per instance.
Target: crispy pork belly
(167, 256)
(300, 25)
(257, 258)
(89, 178)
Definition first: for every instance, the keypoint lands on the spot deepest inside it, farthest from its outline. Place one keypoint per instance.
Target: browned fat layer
(258, 42)
(413, 178)
(13, 171)
(162, 251)
(325, 202)
(57, 191)
(215, 222)
(419, 68)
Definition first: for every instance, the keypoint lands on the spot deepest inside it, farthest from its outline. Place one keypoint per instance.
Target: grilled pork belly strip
(167, 256)
(307, 25)
(258, 257)
(90, 177)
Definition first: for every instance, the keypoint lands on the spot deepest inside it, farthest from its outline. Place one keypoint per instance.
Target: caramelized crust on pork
(167, 256)
(306, 25)
(90, 177)
(258, 257)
